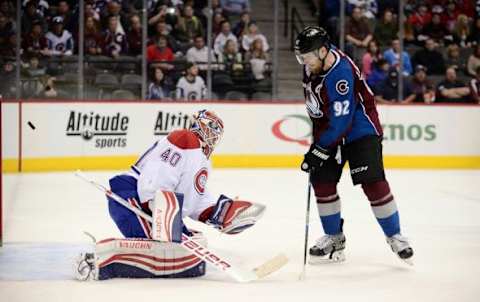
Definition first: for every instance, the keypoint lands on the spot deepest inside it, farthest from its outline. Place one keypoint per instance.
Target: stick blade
(271, 266)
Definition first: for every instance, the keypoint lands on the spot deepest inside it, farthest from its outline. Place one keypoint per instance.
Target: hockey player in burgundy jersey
(173, 172)
(346, 127)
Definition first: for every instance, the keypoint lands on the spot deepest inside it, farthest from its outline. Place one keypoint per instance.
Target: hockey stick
(209, 256)
(307, 224)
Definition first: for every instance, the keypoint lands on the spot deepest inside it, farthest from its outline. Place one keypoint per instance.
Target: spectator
(241, 28)
(370, 58)
(252, 35)
(387, 91)
(235, 7)
(34, 69)
(188, 27)
(378, 74)
(161, 54)
(30, 15)
(435, 29)
(114, 8)
(59, 40)
(450, 15)
(392, 55)
(90, 11)
(422, 87)
(7, 36)
(475, 87)
(157, 14)
(199, 53)
(92, 37)
(258, 58)
(474, 37)
(157, 90)
(453, 58)
(162, 29)
(218, 19)
(8, 82)
(452, 90)
(386, 29)
(191, 87)
(231, 58)
(34, 43)
(134, 36)
(63, 10)
(114, 41)
(223, 36)
(430, 58)
(358, 33)
(369, 8)
(461, 31)
(474, 61)
(7, 8)
(420, 18)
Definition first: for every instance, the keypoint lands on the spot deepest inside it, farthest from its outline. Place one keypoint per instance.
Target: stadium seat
(236, 95)
(123, 95)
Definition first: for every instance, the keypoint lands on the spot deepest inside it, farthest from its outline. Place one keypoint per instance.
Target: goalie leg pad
(129, 224)
(141, 258)
(167, 216)
(234, 216)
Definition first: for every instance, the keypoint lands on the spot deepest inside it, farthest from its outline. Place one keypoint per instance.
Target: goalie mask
(209, 128)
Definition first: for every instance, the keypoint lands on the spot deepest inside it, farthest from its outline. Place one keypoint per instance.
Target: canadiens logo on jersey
(200, 180)
(313, 100)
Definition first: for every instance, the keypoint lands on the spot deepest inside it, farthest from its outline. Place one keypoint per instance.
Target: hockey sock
(329, 206)
(383, 206)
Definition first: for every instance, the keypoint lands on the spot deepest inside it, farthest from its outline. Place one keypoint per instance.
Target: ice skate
(401, 247)
(328, 249)
(85, 267)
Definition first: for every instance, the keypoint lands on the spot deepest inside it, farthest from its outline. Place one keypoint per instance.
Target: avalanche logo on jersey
(312, 103)
(200, 180)
(342, 87)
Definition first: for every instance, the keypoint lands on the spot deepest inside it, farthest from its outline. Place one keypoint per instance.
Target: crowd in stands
(176, 51)
(441, 57)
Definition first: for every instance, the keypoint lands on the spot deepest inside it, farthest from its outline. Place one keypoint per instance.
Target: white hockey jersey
(62, 45)
(178, 164)
(191, 91)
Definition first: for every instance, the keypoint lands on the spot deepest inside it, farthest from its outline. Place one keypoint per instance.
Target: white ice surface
(45, 214)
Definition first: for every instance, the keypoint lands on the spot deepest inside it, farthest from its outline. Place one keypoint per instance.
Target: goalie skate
(328, 249)
(401, 247)
(85, 267)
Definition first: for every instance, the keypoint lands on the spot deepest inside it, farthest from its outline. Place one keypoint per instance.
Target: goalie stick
(208, 255)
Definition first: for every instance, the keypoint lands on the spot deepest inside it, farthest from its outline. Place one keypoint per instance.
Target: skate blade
(337, 257)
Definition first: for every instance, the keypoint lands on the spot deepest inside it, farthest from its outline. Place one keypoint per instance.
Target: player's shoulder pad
(340, 80)
(184, 139)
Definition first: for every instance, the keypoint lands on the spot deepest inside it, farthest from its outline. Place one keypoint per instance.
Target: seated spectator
(34, 43)
(475, 88)
(252, 35)
(461, 31)
(223, 36)
(450, 15)
(7, 8)
(162, 29)
(161, 54)
(33, 68)
(134, 36)
(357, 33)
(453, 58)
(372, 56)
(386, 29)
(422, 87)
(191, 87)
(70, 22)
(114, 41)
(392, 55)
(7, 29)
(31, 15)
(452, 90)
(231, 58)
(59, 40)
(218, 19)
(378, 74)
(188, 27)
(241, 27)
(92, 37)
(474, 37)
(7, 84)
(157, 90)
(258, 58)
(199, 54)
(235, 7)
(156, 14)
(420, 18)
(435, 29)
(430, 58)
(474, 61)
(114, 8)
(369, 8)
(387, 91)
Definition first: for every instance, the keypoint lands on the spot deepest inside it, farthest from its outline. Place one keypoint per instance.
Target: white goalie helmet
(209, 128)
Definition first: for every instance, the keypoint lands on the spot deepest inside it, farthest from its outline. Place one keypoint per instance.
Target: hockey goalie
(168, 182)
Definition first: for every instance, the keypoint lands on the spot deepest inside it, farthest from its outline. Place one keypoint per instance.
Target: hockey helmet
(209, 128)
(311, 39)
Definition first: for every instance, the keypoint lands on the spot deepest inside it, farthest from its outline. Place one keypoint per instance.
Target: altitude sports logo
(110, 130)
(168, 121)
(288, 127)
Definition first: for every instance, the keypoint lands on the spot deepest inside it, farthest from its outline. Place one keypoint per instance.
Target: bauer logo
(168, 121)
(106, 131)
(294, 128)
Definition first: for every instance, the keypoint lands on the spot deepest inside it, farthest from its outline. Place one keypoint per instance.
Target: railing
(294, 19)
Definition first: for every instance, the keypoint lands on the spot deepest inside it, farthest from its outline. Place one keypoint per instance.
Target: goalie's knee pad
(233, 216)
(167, 222)
(140, 258)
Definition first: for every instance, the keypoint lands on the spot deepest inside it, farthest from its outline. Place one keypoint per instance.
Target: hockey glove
(314, 158)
